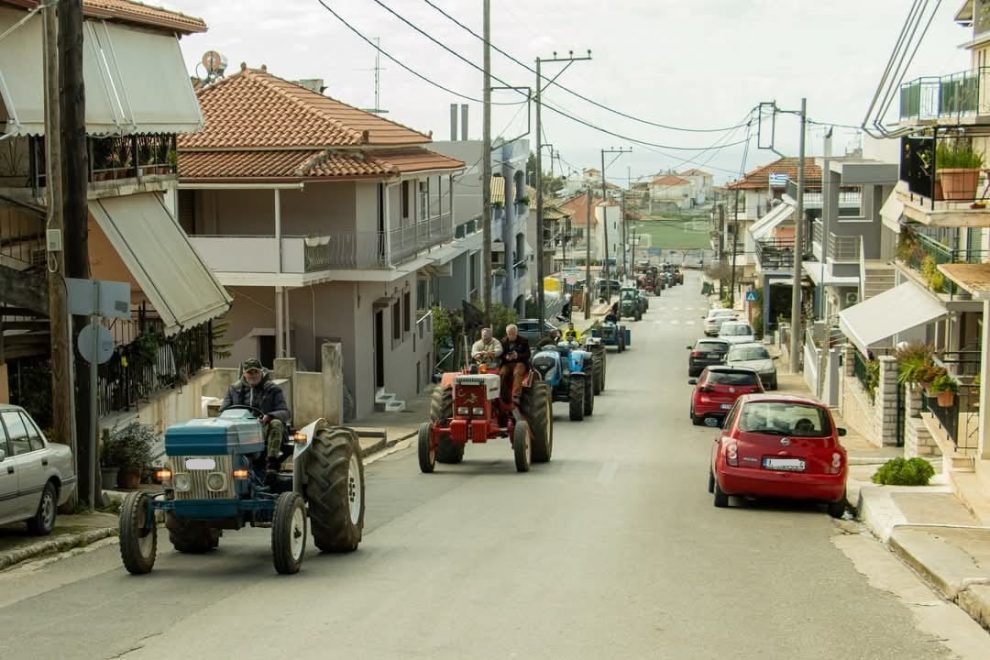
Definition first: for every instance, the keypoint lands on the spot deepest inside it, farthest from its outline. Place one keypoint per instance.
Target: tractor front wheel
(521, 446)
(191, 537)
(427, 454)
(335, 490)
(589, 395)
(538, 411)
(622, 339)
(442, 410)
(596, 373)
(138, 534)
(289, 533)
(576, 396)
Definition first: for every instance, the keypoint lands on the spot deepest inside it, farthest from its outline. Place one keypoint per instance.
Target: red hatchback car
(780, 446)
(717, 389)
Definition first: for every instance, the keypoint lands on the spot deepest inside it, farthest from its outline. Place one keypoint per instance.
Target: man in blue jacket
(256, 389)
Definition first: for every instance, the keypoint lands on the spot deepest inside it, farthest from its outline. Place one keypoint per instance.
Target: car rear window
(749, 353)
(713, 346)
(736, 330)
(785, 418)
(732, 378)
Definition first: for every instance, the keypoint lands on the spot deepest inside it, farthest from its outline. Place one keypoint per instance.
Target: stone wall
(857, 410)
(886, 401)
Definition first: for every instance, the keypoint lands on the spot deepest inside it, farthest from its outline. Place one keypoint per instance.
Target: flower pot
(938, 190)
(958, 184)
(128, 478)
(946, 399)
(108, 476)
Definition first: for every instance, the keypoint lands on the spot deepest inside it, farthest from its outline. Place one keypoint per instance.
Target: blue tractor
(613, 334)
(569, 371)
(215, 479)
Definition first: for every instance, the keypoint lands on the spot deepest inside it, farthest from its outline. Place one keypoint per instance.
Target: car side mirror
(690, 348)
(692, 381)
(842, 432)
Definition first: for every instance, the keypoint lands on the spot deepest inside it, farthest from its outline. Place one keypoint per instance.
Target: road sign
(98, 298)
(103, 344)
(751, 296)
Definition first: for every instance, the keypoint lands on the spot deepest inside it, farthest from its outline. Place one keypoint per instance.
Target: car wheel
(44, 518)
(711, 481)
(721, 499)
(837, 509)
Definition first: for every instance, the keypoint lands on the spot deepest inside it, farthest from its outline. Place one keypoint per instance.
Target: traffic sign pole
(93, 413)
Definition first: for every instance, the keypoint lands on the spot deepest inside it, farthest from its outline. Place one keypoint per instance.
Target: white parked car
(715, 319)
(737, 332)
(756, 357)
(36, 476)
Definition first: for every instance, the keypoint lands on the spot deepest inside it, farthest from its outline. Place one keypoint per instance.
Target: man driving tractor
(515, 362)
(487, 351)
(257, 390)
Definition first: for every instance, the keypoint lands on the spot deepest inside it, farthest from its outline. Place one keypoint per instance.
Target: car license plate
(201, 464)
(787, 464)
(726, 406)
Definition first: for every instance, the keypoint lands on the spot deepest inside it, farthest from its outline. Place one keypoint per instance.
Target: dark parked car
(705, 353)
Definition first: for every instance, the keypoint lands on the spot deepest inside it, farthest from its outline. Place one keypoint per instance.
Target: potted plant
(912, 363)
(958, 169)
(129, 449)
(945, 388)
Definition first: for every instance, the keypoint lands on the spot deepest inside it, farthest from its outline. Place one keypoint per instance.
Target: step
(963, 463)
(397, 405)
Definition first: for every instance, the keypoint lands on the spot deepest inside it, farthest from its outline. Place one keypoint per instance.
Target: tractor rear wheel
(289, 533)
(138, 534)
(589, 395)
(576, 397)
(335, 489)
(596, 373)
(622, 338)
(537, 409)
(521, 446)
(602, 365)
(191, 537)
(442, 410)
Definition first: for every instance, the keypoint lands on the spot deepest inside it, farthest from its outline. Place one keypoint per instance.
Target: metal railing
(775, 253)
(519, 268)
(816, 231)
(923, 254)
(373, 249)
(946, 97)
(843, 248)
(862, 372)
(114, 158)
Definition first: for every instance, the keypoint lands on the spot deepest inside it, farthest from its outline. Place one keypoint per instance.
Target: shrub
(129, 447)
(904, 472)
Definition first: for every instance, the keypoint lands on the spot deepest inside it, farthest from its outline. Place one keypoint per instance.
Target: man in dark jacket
(515, 362)
(256, 389)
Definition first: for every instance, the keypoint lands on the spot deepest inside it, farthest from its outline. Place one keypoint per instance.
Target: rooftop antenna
(214, 64)
(378, 69)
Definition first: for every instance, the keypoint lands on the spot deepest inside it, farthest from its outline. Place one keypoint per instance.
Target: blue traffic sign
(751, 296)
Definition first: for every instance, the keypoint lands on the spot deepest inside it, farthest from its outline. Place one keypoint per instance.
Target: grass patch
(676, 234)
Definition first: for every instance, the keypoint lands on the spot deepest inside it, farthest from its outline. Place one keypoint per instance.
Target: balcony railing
(919, 169)
(775, 253)
(924, 254)
(843, 248)
(114, 158)
(946, 97)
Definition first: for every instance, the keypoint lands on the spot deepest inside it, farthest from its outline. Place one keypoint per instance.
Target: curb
(55, 545)
(947, 590)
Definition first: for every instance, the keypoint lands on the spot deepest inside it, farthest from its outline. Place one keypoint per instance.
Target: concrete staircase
(879, 278)
(386, 402)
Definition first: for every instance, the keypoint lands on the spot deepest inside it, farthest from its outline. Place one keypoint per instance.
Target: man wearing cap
(256, 389)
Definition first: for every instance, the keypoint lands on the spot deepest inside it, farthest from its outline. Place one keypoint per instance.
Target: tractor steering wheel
(258, 412)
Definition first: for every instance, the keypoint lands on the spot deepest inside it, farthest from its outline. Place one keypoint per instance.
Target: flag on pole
(778, 180)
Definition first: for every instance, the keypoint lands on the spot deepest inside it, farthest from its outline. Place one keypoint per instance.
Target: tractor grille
(198, 478)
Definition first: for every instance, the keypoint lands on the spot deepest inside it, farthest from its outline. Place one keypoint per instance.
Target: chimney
(453, 122)
(312, 84)
(464, 121)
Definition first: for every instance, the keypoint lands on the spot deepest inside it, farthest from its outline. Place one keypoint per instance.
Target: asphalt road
(612, 550)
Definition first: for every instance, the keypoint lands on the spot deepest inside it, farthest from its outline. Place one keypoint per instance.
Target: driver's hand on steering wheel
(265, 419)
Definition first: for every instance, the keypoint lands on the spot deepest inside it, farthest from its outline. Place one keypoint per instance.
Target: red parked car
(780, 446)
(717, 389)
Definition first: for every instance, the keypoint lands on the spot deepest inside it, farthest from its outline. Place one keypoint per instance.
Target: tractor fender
(299, 452)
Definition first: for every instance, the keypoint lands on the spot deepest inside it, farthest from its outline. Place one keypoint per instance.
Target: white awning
(159, 256)
(891, 212)
(813, 269)
(762, 227)
(896, 310)
(135, 80)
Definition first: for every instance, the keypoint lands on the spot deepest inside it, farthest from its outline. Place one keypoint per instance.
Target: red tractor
(468, 407)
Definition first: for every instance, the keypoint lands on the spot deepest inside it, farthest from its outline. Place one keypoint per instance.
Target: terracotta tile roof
(498, 190)
(307, 164)
(128, 11)
(759, 178)
(577, 208)
(253, 108)
(694, 171)
(670, 180)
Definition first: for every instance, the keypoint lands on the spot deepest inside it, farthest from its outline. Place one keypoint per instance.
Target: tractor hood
(234, 432)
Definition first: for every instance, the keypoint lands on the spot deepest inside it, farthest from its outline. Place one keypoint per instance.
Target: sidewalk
(942, 531)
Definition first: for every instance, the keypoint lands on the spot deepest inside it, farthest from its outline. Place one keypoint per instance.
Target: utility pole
(722, 261)
(75, 165)
(608, 281)
(59, 328)
(570, 59)
(486, 167)
(625, 237)
(587, 256)
(735, 237)
(798, 250)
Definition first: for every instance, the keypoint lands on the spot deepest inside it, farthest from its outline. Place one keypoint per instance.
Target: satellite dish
(214, 63)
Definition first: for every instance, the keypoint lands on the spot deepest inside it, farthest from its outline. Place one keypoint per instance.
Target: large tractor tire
(424, 450)
(536, 404)
(596, 373)
(589, 395)
(622, 338)
(601, 365)
(442, 410)
(639, 316)
(335, 490)
(576, 399)
(522, 446)
(289, 533)
(138, 534)
(191, 537)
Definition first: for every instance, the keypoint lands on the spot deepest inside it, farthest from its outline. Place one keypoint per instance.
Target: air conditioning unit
(852, 298)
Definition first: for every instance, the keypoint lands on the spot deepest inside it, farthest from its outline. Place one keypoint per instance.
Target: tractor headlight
(478, 412)
(463, 410)
(216, 481)
(181, 482)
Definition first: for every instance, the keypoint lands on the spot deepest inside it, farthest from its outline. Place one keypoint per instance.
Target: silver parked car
(756, 357)
(36, 476)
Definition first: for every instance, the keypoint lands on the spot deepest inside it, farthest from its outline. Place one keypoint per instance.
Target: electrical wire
(404, 66)
(481, 38)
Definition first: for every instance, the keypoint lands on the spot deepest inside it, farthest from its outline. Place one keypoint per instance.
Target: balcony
(844, 248)
(850, 201)
(922, 254)
(920, 189)
(113, 158)
(952, 97)
(775, 254)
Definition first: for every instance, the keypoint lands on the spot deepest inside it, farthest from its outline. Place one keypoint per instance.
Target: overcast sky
(692, 63)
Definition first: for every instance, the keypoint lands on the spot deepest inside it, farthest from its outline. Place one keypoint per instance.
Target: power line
(425, 79)
(570, 91)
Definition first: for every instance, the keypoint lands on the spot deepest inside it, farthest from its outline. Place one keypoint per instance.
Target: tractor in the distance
(468, 408)
(215, 479)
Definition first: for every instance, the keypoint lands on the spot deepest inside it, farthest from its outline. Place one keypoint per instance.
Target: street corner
(71, 532)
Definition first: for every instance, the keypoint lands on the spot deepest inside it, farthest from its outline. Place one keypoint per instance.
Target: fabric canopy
(896, 310)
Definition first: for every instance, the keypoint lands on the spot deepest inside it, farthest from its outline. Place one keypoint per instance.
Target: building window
(396, 321)
(406, 312)
(424, 196)
(406, 197)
